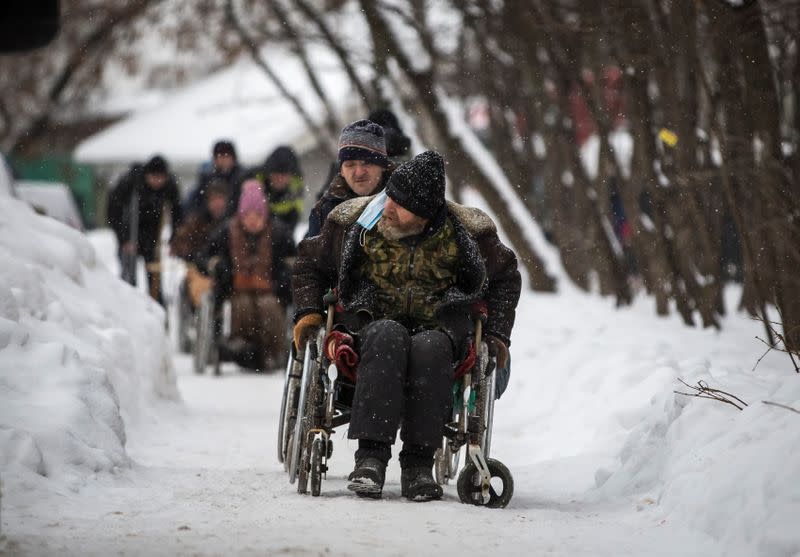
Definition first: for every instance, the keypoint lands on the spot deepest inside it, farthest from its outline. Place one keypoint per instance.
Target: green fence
(62, 168)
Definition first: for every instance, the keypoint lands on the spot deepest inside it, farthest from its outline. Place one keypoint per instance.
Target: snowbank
(733, 474)
(80, 353)
(590, 414)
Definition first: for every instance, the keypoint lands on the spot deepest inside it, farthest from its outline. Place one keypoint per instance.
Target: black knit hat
(398, 144)
(418, 185)
(282, 161)
(385, 118)
(363, 141)
(156, 165)
(224, 147)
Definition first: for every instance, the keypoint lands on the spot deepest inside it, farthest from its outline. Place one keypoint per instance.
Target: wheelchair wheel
(287, 463)
(307, 423)
(216, 361)
(302, 420)
(485, 403)
(445, 463)
(315, 472)
(283, 417)
(185, 321)
(205, 333)
(501, 487)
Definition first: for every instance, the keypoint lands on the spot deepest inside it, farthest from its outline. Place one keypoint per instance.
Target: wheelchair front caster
(317, 467)
(445, 463)
(501, 485)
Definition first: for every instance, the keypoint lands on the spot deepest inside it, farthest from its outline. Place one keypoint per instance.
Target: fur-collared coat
(488, 270)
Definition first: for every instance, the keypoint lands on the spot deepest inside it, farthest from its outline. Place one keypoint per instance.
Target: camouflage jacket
(410, 276)
(484, 268)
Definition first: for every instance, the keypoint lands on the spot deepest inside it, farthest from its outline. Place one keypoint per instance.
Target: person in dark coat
(224, 166)
(398, 144)
(363, 167)
(135, 210)
(191, 237)
(283, 183)
(407, 288)
(249, 258)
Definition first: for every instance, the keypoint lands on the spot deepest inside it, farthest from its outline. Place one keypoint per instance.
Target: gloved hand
(305, 328)
(502, 369)
(497, 350)
(502, 375)
(339, 348)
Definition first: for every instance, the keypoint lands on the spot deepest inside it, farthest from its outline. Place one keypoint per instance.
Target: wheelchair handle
(330, 299)
(329, 319)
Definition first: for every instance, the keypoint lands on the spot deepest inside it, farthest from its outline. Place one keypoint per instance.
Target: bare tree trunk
(325, 140)
(608, 261)
(95, 42)
(782, 207)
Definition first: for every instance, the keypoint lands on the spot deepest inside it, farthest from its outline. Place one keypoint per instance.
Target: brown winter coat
(252, 269)
(488, 269)
(192, 236)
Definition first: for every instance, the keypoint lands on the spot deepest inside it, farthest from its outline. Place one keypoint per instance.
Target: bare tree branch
(299, 44)
(96, 40)
(325, 140)
(702, 390)
(770, 403)
(336, 45)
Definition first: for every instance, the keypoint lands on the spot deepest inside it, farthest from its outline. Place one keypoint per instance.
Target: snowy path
(606, 458)
(206, 482)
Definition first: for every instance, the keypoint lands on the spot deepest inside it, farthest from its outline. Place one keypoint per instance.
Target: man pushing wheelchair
(407, 288)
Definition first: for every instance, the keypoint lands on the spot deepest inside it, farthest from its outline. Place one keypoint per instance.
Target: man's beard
(395, 231)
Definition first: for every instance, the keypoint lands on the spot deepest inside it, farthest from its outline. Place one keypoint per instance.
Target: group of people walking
(410, 270)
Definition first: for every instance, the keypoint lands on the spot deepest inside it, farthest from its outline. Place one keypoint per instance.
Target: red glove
(340, 350)
(467, 363)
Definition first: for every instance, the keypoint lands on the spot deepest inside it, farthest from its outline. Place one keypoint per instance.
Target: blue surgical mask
(372, 213)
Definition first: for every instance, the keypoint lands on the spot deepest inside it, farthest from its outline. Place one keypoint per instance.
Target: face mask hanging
(372, 213)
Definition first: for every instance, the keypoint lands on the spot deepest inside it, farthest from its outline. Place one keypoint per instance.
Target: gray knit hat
(418, 185)
(363, 141)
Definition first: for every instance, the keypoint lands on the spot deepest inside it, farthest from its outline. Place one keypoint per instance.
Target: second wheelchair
(246, 329)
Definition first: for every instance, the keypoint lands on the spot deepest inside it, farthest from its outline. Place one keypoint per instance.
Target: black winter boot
(368, 477)
(417, 484)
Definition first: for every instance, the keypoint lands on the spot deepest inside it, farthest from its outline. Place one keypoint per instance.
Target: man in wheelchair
(190, 238)
(249, 260)
(406, 288)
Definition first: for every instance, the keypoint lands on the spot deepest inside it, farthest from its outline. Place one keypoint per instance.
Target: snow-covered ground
(607, 460)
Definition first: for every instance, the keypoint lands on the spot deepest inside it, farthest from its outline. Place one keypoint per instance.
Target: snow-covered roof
(239, 103)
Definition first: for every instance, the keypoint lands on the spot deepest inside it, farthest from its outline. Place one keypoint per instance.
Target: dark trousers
(259, 318)
(402, 379)
(128, 264)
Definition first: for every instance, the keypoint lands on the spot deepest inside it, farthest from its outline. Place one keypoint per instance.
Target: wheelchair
(213, 326)
(317, 399)
(186, 320)
(208, 327)
(189, 296)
